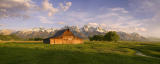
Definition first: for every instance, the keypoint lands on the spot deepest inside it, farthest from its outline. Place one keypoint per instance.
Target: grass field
(87, 53)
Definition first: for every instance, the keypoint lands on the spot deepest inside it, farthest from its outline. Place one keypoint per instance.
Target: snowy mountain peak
(99, 29)
(89, 28)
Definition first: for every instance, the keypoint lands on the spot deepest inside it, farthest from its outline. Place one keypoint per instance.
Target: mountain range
(84, 32)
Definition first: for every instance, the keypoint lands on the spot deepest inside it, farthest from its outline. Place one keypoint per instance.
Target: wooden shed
(64, 36)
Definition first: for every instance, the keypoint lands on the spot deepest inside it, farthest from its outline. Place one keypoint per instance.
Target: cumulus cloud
(49, 7)
(52, 10)
(25, 8)
(66, 6)
(15, 8)
(44, 20)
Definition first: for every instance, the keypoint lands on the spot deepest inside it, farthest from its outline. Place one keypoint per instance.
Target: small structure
(64, 36)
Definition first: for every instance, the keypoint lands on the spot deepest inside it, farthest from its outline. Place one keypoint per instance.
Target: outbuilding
(64, 36)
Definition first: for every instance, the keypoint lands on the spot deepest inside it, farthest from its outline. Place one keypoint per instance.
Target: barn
(64, 36)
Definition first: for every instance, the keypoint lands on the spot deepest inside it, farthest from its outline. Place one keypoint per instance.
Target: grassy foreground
(88, 53)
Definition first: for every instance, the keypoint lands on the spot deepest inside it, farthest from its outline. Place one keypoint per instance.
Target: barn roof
(60, 32)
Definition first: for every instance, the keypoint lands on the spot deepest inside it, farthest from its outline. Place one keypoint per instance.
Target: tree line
(9, 37)
(15, 37)
(109, 36)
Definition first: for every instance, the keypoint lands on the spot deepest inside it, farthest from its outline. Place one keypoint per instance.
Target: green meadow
(96, 52)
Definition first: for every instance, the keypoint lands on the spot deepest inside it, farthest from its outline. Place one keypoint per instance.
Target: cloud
(118, 27)
(93, 24)
(149, 8)
(44, 20)
(141, 29)
(26, 8)
(119, 9)
(119, 19)
(61, 23)
(1, 24)
(15, 8)
(145, 5)
(116, 19)
(66, 6)
(49, 7)
(110, 21)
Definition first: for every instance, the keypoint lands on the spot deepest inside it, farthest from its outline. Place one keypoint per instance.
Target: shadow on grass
(24, 43)
(17, 55)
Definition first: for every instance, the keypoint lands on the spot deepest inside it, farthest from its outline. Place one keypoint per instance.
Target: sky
(141, 16)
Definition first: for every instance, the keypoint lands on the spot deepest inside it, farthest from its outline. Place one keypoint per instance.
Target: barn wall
(77, 41)
(58, 41)
(63, 41)
(51, 41)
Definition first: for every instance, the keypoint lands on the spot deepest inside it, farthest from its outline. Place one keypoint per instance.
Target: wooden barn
(64, 36)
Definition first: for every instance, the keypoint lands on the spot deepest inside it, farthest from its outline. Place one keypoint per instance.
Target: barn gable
(61, 32)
